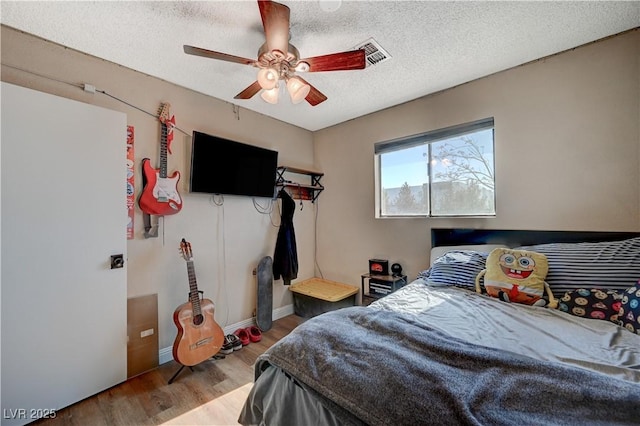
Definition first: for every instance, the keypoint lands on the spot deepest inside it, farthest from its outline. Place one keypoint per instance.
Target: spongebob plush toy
(517, 276)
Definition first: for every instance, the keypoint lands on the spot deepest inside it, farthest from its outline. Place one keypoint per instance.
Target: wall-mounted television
(223, 166)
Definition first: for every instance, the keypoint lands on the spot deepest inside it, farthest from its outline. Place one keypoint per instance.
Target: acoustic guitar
(199, 336)
(160, 194)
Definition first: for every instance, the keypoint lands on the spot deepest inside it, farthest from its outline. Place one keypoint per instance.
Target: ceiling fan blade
(315, 96)
(351, 60)
(249, 91)
(275, 20)
(191, 50)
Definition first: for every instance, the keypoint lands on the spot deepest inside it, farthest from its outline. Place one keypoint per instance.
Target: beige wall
(567, 156)
(227, 241)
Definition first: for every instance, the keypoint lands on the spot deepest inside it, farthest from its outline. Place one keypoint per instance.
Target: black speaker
(396, 269)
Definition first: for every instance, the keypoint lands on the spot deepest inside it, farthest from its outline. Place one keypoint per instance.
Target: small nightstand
(376, 286)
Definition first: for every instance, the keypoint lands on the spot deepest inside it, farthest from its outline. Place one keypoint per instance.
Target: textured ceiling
(434, 45)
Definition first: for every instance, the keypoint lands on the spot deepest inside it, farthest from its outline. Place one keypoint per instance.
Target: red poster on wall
(130, 186)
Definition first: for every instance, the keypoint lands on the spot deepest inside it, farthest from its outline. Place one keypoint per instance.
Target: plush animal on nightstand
(517, 276)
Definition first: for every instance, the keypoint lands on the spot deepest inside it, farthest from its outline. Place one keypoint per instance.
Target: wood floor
(213, 394)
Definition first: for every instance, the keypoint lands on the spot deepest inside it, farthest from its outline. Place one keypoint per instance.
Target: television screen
(222, 166)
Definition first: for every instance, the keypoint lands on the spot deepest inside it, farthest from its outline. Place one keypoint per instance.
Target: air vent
(375, 54)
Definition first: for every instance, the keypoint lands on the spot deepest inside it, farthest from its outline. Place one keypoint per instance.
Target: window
(446, 172)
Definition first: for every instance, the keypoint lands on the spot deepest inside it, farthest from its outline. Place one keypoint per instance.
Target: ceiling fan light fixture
(297, 90)
(268, 78)
(270, 96)
(302, 66)
(330, 5)
(280, 60)
(278, 54)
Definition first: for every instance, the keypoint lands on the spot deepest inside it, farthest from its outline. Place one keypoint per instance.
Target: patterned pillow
(609, 265)
(592, 303)
(456, 268)
(629, 314)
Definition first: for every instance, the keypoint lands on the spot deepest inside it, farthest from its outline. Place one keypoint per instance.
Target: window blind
(433, 136)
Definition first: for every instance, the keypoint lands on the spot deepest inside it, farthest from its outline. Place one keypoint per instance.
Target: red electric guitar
(160, 193)
(199, 335)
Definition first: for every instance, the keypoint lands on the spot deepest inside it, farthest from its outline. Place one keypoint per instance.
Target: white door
(63, 215)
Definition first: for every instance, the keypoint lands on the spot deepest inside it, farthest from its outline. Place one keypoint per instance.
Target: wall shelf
(299, 190)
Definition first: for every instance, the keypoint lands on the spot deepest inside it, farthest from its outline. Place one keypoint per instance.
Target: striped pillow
(456, 267)
(610, 265)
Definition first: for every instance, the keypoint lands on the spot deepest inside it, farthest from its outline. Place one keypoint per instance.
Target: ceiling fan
(280, 61)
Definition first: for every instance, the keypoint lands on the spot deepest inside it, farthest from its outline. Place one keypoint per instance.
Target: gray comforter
(384, 367)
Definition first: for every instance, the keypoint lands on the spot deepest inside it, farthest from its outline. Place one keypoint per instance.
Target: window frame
(428, 138)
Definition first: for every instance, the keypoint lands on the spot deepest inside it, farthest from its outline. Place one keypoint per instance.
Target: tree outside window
(449, 172)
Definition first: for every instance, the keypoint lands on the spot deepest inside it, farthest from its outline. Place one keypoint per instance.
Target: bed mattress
(444, 355)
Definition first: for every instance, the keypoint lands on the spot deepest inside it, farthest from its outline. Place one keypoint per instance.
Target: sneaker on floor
(227, 347)
(254, 333)
(235, 341)
(243, 335)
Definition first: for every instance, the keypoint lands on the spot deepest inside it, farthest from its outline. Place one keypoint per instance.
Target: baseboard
(166, 354)
(282, 312)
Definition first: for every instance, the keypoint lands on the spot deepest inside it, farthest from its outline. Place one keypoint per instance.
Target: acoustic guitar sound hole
(197, 320)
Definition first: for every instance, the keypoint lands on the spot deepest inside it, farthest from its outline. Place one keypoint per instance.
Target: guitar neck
(163, 152)
(194, 294)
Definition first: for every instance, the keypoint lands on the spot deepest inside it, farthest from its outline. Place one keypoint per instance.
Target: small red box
(379, 266)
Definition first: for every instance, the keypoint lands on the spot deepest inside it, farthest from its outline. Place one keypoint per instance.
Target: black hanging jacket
(285, 258)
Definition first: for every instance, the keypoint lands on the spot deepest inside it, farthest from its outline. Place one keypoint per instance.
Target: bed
(437, 352)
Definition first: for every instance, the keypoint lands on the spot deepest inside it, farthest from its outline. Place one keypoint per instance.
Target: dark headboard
(513, 238)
